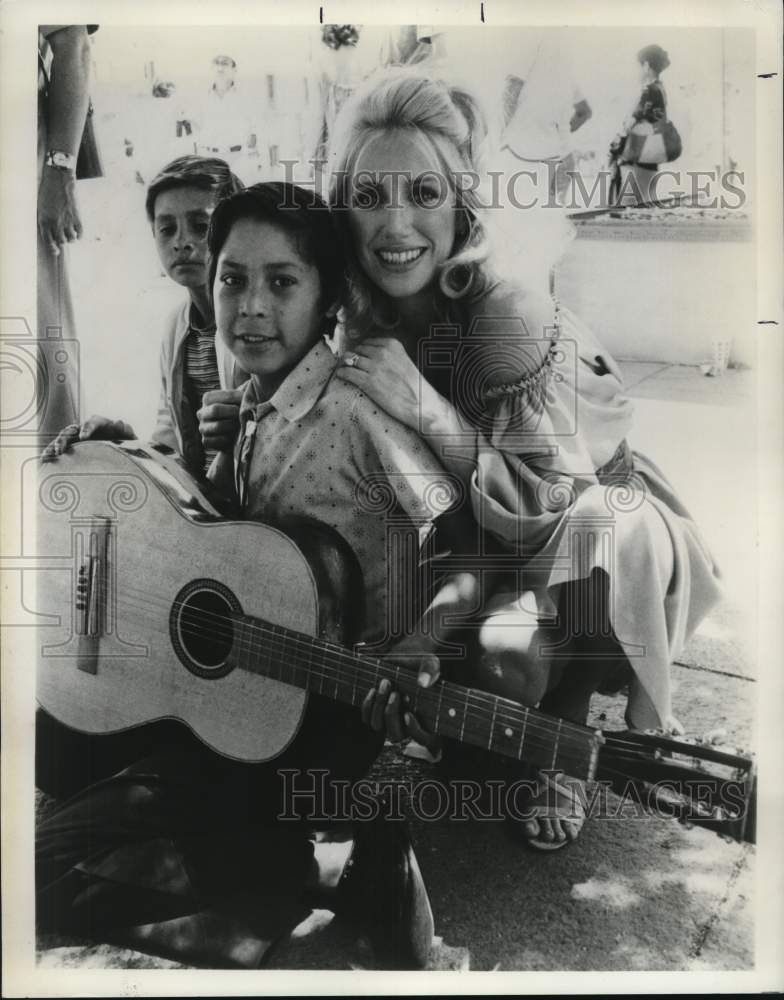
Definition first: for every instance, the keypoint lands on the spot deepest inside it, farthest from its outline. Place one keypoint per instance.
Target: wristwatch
(60, 161)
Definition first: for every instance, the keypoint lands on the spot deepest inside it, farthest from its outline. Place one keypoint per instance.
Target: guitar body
(141, 577)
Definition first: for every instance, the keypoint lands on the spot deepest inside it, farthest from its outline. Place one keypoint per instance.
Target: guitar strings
(292, 641)
(509, 709)
(281, 644)
(504, 710)
(278, 646)
(533, 728)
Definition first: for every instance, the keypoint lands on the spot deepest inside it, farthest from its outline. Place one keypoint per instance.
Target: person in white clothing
(225, 124)
(545, 105)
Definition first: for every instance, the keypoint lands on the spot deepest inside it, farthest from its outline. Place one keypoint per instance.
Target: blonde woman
(521, 401)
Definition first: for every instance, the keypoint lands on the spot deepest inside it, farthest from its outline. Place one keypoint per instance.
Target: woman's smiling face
(402, 213)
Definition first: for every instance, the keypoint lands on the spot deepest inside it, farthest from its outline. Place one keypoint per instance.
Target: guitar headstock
(692, 780)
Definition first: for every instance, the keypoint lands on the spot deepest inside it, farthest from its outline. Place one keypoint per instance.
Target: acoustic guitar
(154, 607)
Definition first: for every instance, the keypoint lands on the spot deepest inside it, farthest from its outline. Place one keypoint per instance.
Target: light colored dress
(556, 483)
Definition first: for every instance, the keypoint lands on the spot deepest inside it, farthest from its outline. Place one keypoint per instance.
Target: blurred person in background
(635, 181)
(224, 122)
(542, 108)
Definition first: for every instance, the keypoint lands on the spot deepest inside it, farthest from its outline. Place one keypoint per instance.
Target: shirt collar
(299, 392)
(207, 330)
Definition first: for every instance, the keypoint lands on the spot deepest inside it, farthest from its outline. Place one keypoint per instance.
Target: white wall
(664, 299)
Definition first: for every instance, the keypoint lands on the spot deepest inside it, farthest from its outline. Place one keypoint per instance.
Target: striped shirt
(201, 371)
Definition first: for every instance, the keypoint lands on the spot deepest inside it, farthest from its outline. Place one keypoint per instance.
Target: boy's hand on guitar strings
(96, 428)
(219, 418)
(383, 708)
(383, 711)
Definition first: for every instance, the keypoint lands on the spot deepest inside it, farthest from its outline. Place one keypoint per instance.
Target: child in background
(180, 202)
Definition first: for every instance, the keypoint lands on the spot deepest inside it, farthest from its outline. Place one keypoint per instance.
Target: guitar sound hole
(202, 627)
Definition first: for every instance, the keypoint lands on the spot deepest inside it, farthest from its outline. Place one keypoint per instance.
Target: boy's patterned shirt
(320, 448)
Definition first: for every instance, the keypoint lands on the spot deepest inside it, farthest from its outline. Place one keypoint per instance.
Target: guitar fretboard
(452, 710)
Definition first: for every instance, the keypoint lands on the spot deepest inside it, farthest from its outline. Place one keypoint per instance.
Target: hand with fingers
(380, 367)
(219, 418)
(95, 429)
(383, 708)
(59, 221)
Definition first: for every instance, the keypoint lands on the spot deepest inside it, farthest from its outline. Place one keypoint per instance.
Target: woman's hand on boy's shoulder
(219, 418)
(382, 369)
(96, 428)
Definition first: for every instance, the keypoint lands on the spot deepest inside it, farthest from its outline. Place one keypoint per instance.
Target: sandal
(554, 801)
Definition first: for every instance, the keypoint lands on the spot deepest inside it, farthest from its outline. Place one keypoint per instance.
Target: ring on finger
(351, 360)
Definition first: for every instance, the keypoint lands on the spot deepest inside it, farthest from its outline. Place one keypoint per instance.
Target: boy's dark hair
(206, 172)
(655, 56)
(296, 210)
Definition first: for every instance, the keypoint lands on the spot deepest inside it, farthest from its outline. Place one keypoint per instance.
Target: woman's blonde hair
(449, 121)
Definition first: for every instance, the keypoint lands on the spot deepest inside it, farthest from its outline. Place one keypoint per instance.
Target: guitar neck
(452, 710)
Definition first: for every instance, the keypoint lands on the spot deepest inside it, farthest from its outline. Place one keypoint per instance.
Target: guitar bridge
(92, 595)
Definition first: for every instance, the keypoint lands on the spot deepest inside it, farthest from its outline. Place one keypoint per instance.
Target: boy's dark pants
(180, 852)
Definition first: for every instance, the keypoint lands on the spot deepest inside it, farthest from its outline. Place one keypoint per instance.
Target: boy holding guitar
(181, 837)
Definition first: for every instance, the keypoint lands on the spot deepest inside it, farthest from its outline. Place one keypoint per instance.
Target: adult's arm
(383, 449)
(67, 101)
(510, 334)
(68, 95)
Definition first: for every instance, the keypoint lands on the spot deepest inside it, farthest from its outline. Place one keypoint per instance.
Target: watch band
(60, 161)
